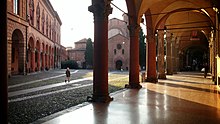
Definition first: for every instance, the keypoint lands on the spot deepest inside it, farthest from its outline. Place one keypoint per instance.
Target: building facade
(118, 44)
(78, 53)
(33, 36)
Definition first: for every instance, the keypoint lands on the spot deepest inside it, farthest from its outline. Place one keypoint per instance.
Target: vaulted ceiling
(180, 17)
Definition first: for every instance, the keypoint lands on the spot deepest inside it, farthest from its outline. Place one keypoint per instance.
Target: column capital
(101, 8)
(134, 29)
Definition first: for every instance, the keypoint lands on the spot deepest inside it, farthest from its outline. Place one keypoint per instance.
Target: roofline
(118, 35)
(53, 12)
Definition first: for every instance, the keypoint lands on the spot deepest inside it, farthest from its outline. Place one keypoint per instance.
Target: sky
(77, 21)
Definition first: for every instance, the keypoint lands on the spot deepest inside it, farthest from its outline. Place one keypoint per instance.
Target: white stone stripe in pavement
(20, 92)
(31, 82)
(49, 93)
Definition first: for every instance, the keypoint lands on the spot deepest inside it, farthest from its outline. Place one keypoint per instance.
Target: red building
(118, 44)
(78, 53)
(33, 36)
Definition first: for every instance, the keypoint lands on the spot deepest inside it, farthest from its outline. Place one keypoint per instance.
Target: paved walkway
(184, 98)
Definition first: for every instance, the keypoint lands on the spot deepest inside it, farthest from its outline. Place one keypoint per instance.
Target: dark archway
(118, 64)
(17, 40)
(196, 54)
(195, 58)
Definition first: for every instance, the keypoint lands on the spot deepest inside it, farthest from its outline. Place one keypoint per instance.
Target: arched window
(38, 16)
(31, 11)
(43, 21)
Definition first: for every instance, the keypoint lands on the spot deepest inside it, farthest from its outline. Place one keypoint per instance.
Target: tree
(142, 49)
(89, 53)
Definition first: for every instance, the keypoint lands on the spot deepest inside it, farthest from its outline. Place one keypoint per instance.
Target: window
(38, 16)
(115, 51)
(119, 46)
(43, 21)
(47, 25)
(123, 51)
(31, 10)
(16, 7)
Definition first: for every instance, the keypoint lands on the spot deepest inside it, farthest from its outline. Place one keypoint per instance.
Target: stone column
(22, 57)
(174, 56)
(160, 57)
(43, 60)
(3, 63)
(215, 48)
(151, 64)
(47, 60)
(134, 57)
(33, 60)
(151, 71)
(169, 54)
(177, 56)
(100, 9)
(38, 60)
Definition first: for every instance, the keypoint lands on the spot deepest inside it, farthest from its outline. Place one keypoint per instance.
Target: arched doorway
(118, 64)
(17, 39)
(195, 58)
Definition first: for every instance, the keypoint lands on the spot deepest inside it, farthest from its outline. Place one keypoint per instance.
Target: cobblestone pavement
(37, 95)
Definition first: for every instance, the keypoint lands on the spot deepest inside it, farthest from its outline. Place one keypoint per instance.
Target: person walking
(67, 75)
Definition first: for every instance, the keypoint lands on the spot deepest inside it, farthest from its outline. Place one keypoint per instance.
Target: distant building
(78, 53)
(118, 44)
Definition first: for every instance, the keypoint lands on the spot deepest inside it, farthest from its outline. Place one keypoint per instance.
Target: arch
(31, 35)
(194, 57)
(118, 65)
(17, 65)
(193, 54)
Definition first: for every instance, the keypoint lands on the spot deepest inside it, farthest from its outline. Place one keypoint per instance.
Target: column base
(162, 76)
(169, 73)
(99, 98)
(152, 80)
(133, 86)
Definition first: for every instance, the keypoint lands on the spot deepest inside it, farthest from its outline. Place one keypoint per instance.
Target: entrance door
(118, 65)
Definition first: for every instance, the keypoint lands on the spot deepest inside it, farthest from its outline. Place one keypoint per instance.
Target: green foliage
(69, 63)
(142, 49)
(89, 54)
